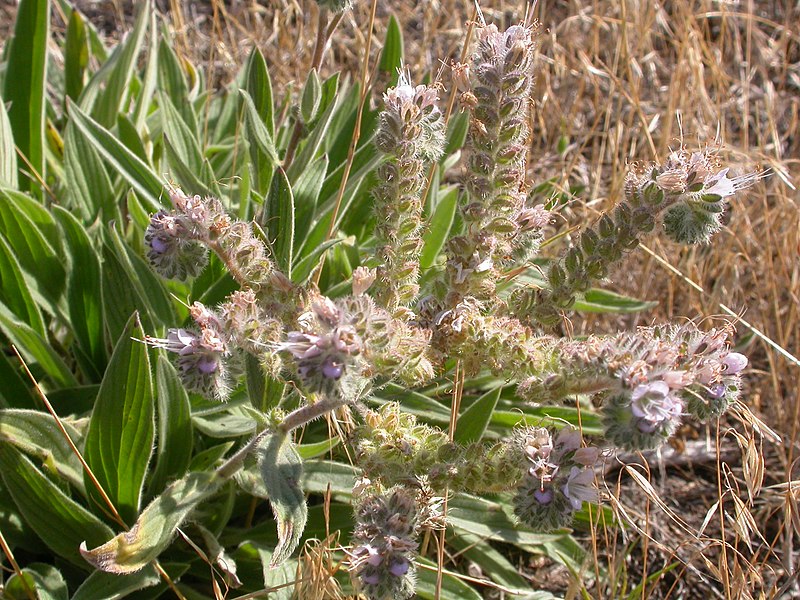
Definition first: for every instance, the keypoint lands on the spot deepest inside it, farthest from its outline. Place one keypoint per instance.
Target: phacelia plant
(399, 325)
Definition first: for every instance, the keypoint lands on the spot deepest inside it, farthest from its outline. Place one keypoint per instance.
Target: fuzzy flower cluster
(326, 346)
(385, 545)
(203, 353)
(411, 136)
(559, 477)
(687, 193)
(500, 227)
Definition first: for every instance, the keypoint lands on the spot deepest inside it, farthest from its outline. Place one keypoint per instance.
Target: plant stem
(324, 32)
(309, 412)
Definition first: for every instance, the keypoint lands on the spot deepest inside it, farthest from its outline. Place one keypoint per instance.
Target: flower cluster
(499, 225)
(411, 135)
(203, 353)
(385, 545)
(688, 192)
(325, 348)
(558, 478)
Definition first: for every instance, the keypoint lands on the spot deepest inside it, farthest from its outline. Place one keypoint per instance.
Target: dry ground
(625, 81)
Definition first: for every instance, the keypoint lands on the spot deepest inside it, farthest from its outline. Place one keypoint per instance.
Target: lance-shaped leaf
(175, 436)
(472, 423)
(281, 470)
(58, 520)
(36, 434)
(153, 532)
(122, 427)
(25, 88)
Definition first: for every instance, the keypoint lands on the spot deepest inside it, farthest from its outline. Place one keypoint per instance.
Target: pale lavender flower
(653, 404)
(580, 487)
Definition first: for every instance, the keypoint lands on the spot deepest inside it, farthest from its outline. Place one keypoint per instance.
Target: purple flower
(653, 404)
(580, 487)
(734, 362)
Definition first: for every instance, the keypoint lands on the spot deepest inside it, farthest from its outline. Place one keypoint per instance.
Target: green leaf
(312, 95)
(84, 290)
(37, 434)
(456, 134)
(15, 391)
(438, 228)
(132, 168)
(155, 528)
(279, 220)
(313, 450)
(121, 430)
(111, 99)
(306, 193)
(34, 236)
(264, 391)
(87, 184)
(58, 520)
(8, 155)
(25, 86)
(472, 423)
(392, 53)
(306, 265)
(320, 474)
(259, 86)
(172, 82)
(491, 520)
(35, 349)
(257, 131)
(175, 434)
(76, 56)
(130, 284)
(105, 586)
(181, 138)
(45, 579)
(281, 470)
(452, 588)
(316, 138)
(14, 292)
(605, 301)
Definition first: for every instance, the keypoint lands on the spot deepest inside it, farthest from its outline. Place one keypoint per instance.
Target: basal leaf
(14, 292)
(306, 193)
(88, 186)
(84, 290)
(605, 301)
(35, 238)
(132, 168)
(257, 131)
(259, 86)
(46, 580)
(155, 528)
(105, 586)
(392, 53)
(181, 138)
(36, 350)
(121, 430)
(37, 434)
(175, 434)
(279, 221)
(472, 423)
(110, 101)
(76, 56)
(8, 155)
(25, 87)
(58, 520)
